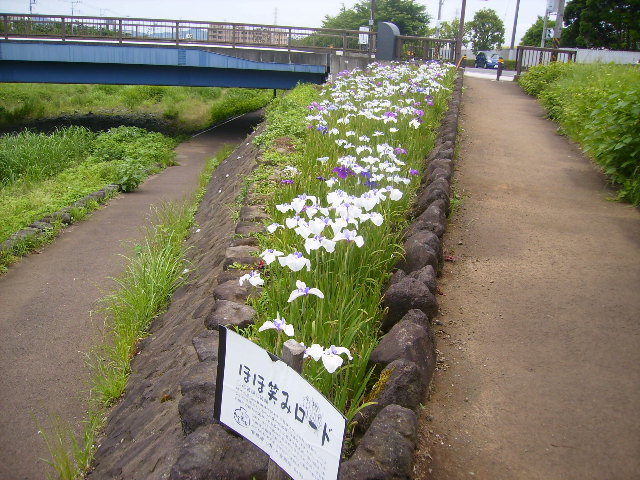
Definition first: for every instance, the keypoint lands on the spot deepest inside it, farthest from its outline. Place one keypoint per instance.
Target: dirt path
(540, 324)
(46, 301)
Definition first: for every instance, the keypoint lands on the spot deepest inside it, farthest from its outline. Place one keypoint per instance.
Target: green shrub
(599, 107)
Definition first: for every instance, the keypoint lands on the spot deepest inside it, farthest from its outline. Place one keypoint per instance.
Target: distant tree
(533, 36)
(613, 24)
(451, 30)
(408, 15)
(486, 30)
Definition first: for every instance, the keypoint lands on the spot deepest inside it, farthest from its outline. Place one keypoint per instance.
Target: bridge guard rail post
(5, 22)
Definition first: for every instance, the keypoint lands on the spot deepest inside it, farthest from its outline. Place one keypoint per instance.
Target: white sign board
(552, 6)
(271, 405)
(363, 38)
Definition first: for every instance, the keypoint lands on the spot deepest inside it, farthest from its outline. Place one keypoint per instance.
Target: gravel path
(540, 327)
(47, 318)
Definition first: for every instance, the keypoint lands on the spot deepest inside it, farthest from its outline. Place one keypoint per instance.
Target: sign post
(270, 404)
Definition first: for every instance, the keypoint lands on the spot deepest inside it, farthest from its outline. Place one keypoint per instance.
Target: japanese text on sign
(275, 408)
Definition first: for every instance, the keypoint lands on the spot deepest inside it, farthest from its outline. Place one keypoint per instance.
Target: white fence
(584, 55)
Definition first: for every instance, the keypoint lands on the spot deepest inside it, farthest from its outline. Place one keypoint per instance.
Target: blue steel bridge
(109, 50)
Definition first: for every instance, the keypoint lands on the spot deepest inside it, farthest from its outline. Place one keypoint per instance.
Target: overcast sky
(303, 13)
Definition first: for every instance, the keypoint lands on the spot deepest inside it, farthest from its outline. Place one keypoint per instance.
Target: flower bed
(327, 287)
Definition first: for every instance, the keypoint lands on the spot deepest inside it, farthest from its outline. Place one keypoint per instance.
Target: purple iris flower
(288, 181)
(343, 172)
(413, 171)
(321, 178)
(371, 184)
(400, 150)
(322, 128)
(391, 114)
(419, 113)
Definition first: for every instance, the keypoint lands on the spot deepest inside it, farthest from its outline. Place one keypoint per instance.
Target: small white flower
(273, 227)
(315, 351)
(269, 255)
(393, 129)
(322, 159)
(253, 278)
(295, 261)
(349, 236)
(302, 291)
(278, 324)
(331, 358)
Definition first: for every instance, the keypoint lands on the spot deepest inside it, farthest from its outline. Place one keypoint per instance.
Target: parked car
(487, 60)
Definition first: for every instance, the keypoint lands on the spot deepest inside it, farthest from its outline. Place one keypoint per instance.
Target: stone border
(63, 216)
(406, 354)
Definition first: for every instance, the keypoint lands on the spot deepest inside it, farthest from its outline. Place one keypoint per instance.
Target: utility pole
(515, 25)
(31, 4)
(440, 2)
(557, 31)
(460, 32)
(372, 20)
(73, 4)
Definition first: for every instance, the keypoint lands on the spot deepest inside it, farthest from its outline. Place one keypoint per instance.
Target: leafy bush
(130, 175)
(144, 147)
(599, 107)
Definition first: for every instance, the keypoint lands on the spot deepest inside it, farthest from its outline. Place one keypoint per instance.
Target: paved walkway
(540, 337)
(48, 302)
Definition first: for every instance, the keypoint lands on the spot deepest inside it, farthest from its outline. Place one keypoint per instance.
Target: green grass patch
(597, 105)
(185, 108)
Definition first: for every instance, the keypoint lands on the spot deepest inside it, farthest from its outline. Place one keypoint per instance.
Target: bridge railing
(527, 57)
(425, 48)
(184, 33)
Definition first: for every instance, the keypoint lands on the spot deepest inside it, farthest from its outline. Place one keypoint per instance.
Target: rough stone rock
(403, 386)
(406, 295)
(433, 219)
(204, 307)
(366, 468)
(426, 237)
(449, 135)
(198, 390)
(440, 173)
(389, 443)
(212, 453)
(398, 275)
(42, 226)
(231, 274)
(226, 312)
(252, 213)
(250, 228)
(206, 345)
(234, 292)
(244, 241)
(427, 275)
(437, 190)
(439, 163)
(410, 339)
(241, 254)
(417, 255)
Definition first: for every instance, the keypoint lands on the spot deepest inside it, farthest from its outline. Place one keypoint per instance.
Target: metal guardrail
(527, 57)
(184, 33)
(425, 48)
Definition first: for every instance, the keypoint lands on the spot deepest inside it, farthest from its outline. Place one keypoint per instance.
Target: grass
(185, 108)
(598, 106)
(154, 270)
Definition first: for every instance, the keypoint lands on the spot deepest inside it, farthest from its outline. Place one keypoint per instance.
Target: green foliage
(286, 115)
(451, 30)
(186, 108)
(238, 101)
(533, 36)
(598, 106)
(29, 157)
(408, 15)
(130, 175)
(613, 24)
(145, 148)
(486, 30)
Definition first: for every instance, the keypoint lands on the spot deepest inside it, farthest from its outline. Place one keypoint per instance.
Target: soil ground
(539, 332)
(48, 318)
